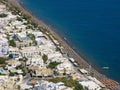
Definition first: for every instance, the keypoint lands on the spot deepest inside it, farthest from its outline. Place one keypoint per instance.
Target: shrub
(21, 59)
(19, 19)
(2, 60)
(24, 73)
(11, 74)
(68, 82)
(52, 65)
(19, 87)
(45, 58)
(35, 43)
(12, 43)
(26, 89)
(3, 15)
(19, 67)
(31, 36)
(22, 68)
(29, 27)
(2, 74)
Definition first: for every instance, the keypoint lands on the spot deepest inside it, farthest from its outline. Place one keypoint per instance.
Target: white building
(9, 83)
(45, 85)
(65, 67)
(35, 60)
(37, 34)
(90, 85)
(44, 72)
(39, 41)
(14, 50)
(55, 55)
(25, 86)
(29, 51)
(3, 44)
(2, 8)
(2, 71)
(12, 63)
(96, 81)
(47, 48)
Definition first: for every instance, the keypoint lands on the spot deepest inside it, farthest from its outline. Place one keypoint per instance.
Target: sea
(91, 27)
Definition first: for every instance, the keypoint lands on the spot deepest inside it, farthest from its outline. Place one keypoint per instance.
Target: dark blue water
(92, 26)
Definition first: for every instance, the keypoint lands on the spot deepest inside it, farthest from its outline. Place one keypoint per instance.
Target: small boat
(105, 68)
(65, 38)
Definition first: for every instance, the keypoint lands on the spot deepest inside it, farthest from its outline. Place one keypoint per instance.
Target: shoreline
(67, 48)
(53, 29)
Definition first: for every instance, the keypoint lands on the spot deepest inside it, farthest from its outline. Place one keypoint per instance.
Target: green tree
(22, 59)
(19, 67)
(52, 65)
(19, 19)
(19, 87)
(68, 82)
(31, 36)
(24, 72)
(2, 60)
(78, 87)
(26, 89)
(3, 15)
(45, 58)
(29, 27)
(11, 74)
(12, 43)
(35, 43)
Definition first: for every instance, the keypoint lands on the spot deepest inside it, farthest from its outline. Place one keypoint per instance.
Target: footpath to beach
(109, 83)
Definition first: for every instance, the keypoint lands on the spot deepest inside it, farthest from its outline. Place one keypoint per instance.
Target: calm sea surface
(91, 26)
